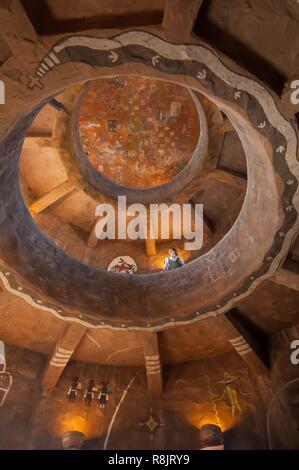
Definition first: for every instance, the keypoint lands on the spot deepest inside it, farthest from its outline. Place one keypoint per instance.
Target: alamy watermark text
(162, 221)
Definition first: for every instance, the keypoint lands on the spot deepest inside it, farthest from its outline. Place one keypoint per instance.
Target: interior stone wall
(262, 36)
(29, 421)
(16, 413)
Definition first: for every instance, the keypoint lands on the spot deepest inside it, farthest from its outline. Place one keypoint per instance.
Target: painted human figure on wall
(73, 390)
(89, 393)
(231, 393)
(103, 396)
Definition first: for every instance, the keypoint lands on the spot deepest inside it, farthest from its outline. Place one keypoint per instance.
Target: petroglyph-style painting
(5, 386)
(152, 424)
(232, 392)
(123, 265)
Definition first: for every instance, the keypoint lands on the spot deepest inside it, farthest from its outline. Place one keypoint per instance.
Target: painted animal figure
(123, 266)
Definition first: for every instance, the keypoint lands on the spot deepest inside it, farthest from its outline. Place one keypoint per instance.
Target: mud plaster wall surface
(15, 414)
(187, 403)
(261, 35)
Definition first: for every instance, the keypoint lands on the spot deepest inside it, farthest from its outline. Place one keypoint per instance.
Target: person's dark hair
(174, 251)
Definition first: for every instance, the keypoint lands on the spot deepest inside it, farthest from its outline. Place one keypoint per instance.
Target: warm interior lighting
(70, 422)
(199, 417)
(158, 260)
(90, 422)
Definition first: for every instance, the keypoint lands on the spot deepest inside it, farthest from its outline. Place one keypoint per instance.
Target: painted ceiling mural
(138, 132)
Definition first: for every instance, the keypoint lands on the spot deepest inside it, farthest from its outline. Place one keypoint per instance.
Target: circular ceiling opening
(137, 137)
(64, 206)
(137, 132)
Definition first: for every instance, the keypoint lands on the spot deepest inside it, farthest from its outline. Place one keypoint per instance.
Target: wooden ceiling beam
(229, 177)
(61, 355)
(225, 176)
(151, 249)
(152, 364)
(53, 196)
(93, 239)
(243, 345)
(40, 142)
(150, 243)
(287, 278)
